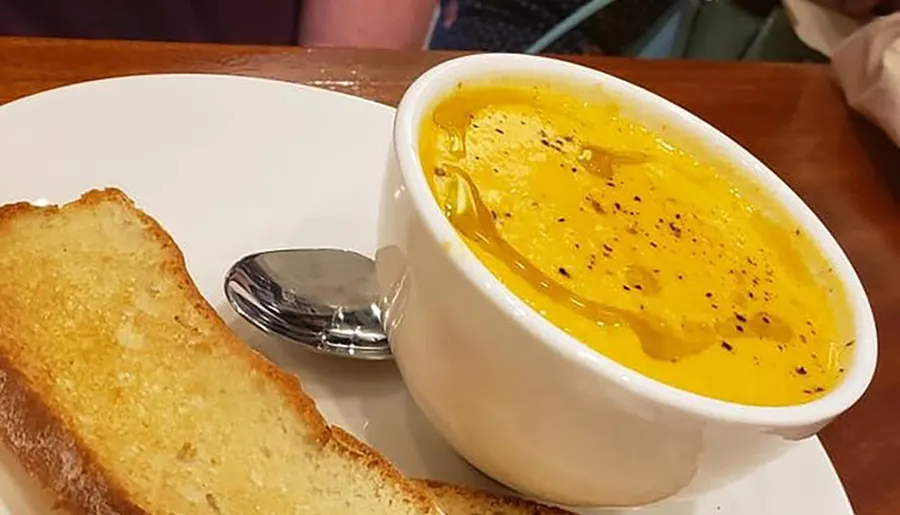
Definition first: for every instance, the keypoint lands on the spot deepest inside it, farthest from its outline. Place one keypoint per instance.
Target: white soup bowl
(526, 403)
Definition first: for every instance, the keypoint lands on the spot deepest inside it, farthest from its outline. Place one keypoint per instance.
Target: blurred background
(694, 29)
(717, 29)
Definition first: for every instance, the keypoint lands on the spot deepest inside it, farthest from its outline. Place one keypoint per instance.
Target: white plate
(235, 165)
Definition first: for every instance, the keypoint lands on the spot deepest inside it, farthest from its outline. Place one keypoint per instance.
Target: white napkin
(867, 66)
(819, 27)
(865, 57)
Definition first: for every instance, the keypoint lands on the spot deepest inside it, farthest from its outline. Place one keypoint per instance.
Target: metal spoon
(324, 299)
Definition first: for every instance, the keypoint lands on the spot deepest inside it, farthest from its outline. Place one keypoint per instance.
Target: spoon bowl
(324, 299)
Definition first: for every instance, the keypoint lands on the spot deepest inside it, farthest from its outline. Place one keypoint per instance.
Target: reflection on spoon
(323, 299)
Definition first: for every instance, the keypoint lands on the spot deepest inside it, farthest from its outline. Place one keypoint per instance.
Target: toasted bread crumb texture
(457, 500)
(141, 384)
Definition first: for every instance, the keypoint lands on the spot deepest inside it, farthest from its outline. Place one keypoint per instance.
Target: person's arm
(397, 24)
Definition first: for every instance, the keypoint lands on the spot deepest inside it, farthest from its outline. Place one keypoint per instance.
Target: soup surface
(635, 247)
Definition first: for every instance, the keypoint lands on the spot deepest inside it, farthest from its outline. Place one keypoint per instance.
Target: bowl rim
(438, 81)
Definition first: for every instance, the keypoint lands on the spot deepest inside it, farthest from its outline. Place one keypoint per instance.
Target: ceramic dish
(236, 165)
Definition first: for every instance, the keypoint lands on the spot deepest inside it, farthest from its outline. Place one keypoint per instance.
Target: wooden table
(791, 116)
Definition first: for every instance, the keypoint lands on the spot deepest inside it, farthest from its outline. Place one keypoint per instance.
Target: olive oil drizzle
(467, 212)
(602, 163)
(514, 137)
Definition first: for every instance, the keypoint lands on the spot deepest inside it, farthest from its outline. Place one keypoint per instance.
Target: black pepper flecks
(595, 205)
(676, 231)
(681, 229)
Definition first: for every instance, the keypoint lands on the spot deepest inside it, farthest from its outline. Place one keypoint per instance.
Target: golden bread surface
(123, 391)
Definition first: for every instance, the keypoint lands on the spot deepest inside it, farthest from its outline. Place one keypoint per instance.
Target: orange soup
(644, 252)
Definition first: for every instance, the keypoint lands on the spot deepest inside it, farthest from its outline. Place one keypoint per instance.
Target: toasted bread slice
(123, 392)
(461, 500)
(458, 500)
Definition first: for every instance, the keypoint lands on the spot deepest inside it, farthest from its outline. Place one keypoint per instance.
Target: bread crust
(355, 448)
(41, 439)
(50, 451)
(490, 502)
